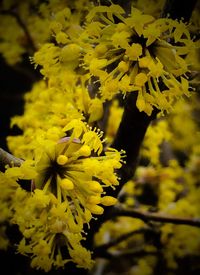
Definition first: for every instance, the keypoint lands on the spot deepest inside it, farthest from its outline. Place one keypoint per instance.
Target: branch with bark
(148, 216)
(6, 159)
(100, 251)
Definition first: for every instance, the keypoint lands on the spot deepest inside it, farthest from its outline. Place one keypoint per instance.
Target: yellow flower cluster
(182, 138)
(8, 186)
(72, 170)
(156, 135)
(69, 178)
(89, 54)
(48, 109)
(179, 197)
(140, 53)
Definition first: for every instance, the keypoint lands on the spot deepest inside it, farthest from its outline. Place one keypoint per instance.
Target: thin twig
(8, 159)
(98, 250)
(156, 217)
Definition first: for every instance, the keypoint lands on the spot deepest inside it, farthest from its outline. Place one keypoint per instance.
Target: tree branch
(8, 159)
(129, 137)
(98, 251)
(156, 217)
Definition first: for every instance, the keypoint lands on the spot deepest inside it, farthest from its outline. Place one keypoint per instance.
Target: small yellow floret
(134, 51)
(95, 186)
(87, 215)
(120, 39)
(123, 67)
(69, 53)
(95, 209)
(95, 110)
(113, 180)
(85, 151)
(66, 184)
(101, 49)
(56, 26)
(108, 200)
(144, 62)
(94, 199)
(140, 79)
(140, 103)
(62, 37)
(62, 159)
(97, 64)
(53, 198)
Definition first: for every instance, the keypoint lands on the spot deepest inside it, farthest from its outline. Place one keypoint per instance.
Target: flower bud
(108, 200)
(62, 159)
(94, 199)
(95, 209)
(95, 186)
(85, 151)
(66, 184)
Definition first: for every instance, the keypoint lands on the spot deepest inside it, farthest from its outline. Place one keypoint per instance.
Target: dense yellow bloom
(87, 55)
(45, 224)
(9, 187)
(48, 110)
(146, 52)
(139, 54)
(68, 180)
(90, 107)
(156, 135)
(182, 137)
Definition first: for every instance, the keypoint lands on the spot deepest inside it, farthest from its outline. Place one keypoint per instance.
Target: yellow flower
(69, 166)
(68, 190)
(134, 51)
(144, 51)
(69, 179)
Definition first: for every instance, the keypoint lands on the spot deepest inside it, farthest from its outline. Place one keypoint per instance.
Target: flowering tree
(104, 178)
